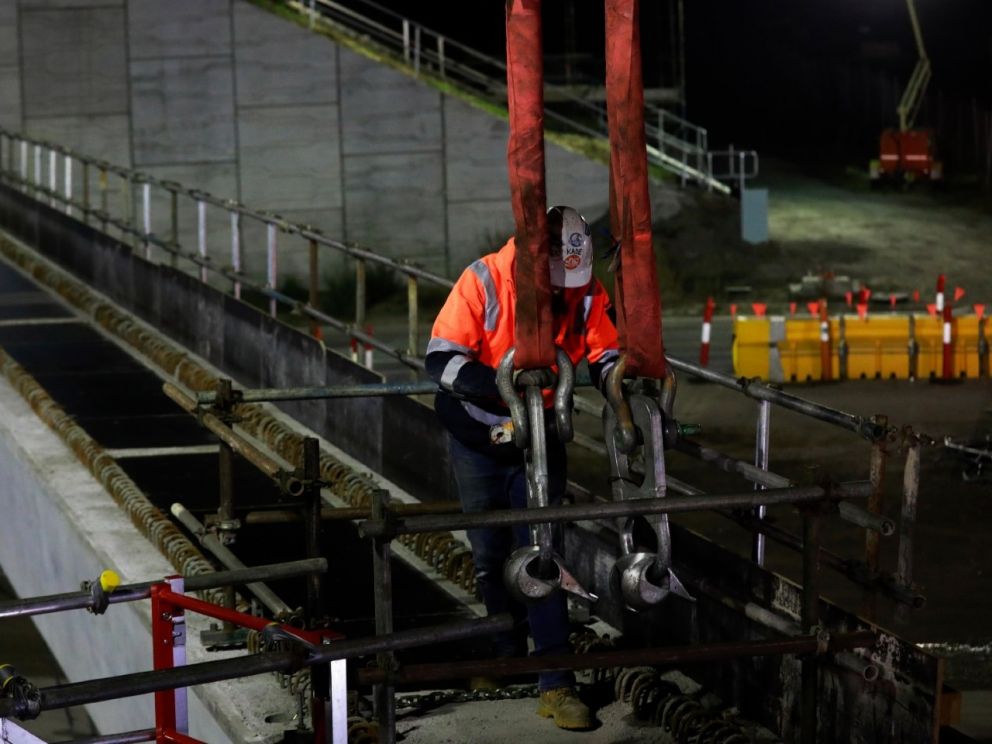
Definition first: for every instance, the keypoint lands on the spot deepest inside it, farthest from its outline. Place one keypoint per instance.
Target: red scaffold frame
(169, 606)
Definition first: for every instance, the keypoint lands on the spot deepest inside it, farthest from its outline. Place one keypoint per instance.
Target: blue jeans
(485, 483)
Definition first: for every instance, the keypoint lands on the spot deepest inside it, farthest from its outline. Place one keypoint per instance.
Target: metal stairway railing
(675, 144)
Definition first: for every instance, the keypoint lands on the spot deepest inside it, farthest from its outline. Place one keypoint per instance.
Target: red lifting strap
(637, 299)
(533, 332)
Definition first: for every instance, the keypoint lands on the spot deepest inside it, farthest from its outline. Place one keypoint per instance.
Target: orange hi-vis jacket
(474, 330)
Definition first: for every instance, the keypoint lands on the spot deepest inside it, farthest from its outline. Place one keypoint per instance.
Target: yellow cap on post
(109, 580)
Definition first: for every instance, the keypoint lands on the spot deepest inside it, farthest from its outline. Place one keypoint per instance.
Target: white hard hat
(571, 248)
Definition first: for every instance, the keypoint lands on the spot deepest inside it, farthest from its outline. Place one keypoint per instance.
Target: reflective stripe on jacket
(478, 316)
(474, 329)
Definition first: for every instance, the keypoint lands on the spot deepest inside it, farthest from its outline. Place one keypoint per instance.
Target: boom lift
(908, 152)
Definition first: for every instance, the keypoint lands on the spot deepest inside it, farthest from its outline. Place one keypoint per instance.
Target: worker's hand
(501, 433)
(542, 378)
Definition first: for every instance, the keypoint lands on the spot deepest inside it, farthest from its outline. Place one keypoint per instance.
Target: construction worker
(472, 332)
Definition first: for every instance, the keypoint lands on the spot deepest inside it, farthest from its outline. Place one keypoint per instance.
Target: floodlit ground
(892, 241)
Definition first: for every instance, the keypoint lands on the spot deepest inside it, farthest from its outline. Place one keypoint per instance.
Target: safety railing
(120, 201)
(680, 145)
(287, 649)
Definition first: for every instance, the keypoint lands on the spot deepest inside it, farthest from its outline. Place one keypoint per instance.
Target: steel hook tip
(521, 575)
(631, 581)
(642, 581)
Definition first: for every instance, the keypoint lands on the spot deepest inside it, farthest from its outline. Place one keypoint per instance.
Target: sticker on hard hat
(575, 239)
(572, 262)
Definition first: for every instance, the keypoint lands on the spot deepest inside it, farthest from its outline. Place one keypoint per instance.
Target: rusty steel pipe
(866, 427)
(874, 506)
(861, 517)
(730, 464)
(370, 390)
(683, 655)
(292, 485)
(133, 592)
(332, 513)
(140, 683)
(612, 510)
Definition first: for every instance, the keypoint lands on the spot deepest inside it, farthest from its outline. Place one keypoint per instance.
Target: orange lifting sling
(636, 288)
(636, 295)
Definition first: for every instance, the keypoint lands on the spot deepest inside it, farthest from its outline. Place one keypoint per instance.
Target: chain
(445, 697)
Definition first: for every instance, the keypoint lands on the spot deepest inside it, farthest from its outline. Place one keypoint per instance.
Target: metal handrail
(424, 49)
(21, 165)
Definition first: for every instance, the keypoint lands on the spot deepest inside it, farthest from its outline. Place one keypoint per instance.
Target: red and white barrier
(704, 345)
(368, 349)
(826, 350)
(939, 302)
(948, 367)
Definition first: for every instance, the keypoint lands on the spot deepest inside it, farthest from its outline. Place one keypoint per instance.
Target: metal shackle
(521, 574)
(518, 412)
(641, 578)
(625, 434)
(563, 396)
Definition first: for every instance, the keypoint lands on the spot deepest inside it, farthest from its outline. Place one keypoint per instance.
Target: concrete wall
(73, 531)
(223, 96)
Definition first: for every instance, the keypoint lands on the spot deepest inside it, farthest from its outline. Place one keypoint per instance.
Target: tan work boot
(564, 706)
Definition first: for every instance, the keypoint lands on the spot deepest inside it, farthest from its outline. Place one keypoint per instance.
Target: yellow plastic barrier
(800, 351)
(878, 346)
(929, 334)
(750, 350)
(965, 335)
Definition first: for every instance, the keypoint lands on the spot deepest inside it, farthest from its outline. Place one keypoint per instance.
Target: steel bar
(265, 595)
(670, 655)
(732, 465)
(951, 444)
(320, 392)
(384, 701)
(761, 452)
(311, 520)
(241, 446)
(332, 513)
(130, 737)
(863, 518)
(907, 520)
(866, 427)
(875, 505)
(225, 510)
(313, 284)
(271, 263)
(612, 510)
(134, 592)
(141, 683)
(810, 619)
(413, 316)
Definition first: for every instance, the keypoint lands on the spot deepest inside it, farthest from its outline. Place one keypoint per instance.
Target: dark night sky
(774, 74)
